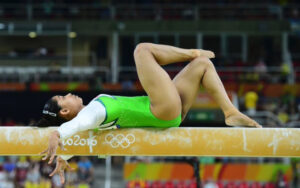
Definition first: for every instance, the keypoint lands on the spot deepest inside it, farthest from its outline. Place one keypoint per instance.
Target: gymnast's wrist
(55, 134)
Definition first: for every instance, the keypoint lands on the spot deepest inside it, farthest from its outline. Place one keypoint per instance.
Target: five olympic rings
(120, 140)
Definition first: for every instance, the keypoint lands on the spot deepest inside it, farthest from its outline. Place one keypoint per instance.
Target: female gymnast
(166, 104)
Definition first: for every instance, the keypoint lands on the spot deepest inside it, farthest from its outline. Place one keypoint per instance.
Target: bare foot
(204, 53)
(240, 120)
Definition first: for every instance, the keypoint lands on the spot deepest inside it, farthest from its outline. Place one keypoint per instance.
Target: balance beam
(243, 142)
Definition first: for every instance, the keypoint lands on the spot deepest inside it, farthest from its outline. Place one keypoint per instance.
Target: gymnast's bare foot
(238, 119)
(203, 53)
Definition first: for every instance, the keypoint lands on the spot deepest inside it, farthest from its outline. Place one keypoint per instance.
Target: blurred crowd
(154, 1)
(32, 172)
(281, 183)
(101, 9)
(29, 53)
(279, 112)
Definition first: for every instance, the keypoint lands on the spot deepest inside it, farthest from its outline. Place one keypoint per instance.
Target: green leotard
(129, 112)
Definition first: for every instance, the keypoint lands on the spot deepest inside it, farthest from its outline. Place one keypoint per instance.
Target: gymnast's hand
(54, 142)
(60, 167)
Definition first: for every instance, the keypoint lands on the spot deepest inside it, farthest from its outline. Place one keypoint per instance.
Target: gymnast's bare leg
(164, 97)
(170, 98)
(202, 71)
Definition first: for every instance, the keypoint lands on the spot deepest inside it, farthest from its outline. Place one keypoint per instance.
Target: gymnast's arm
(89, 117)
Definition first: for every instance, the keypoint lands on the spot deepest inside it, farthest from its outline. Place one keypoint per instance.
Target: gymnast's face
(70, 105)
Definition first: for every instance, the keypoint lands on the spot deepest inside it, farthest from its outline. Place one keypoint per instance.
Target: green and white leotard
(106, 111)
(131, 112)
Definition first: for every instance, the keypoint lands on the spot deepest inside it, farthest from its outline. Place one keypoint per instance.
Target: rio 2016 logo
(78, 141)
(119, 140)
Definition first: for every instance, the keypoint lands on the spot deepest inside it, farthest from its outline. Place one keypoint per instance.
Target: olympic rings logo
(119, 140)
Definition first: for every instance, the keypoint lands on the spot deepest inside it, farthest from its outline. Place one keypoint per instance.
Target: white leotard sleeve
(90, 117)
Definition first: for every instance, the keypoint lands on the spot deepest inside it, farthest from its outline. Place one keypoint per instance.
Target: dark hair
(50, 115)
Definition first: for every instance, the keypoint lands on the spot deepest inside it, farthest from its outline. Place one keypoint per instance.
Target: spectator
(285, 71)
(251, 98)
(288, 101)
(9, 167)
(283, 116)
(2, 179)
(261, 69)
(8, 173)
(56, 181)
(45, 170)
(33, 175)
(4, 182)
(86, 170)
(71, 175)
(210, 184)
(281, 181)
(21, 171)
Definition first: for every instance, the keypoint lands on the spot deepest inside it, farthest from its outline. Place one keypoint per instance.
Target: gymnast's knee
(142, 48)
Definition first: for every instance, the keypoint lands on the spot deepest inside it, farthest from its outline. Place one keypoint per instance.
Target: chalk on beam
(242, 142)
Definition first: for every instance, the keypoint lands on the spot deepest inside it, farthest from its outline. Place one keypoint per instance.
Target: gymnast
(166, 104)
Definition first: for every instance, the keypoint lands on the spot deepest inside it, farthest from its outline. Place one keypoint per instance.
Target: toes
(241, 120)
(258, 125)
(205, 53)
(255, 124)
(209, 54)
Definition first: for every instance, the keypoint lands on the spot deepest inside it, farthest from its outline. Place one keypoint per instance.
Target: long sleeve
(89, 117)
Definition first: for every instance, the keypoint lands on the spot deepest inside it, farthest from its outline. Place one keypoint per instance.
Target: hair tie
(50, 113)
